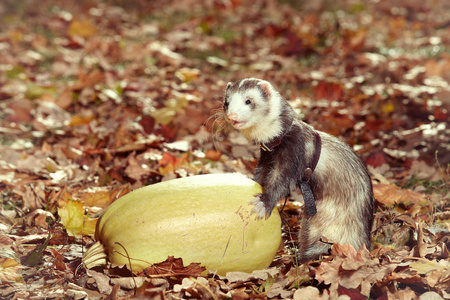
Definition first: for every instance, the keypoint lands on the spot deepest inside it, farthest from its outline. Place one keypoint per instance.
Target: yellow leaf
(8, 270)
(82, 28)
(424, 266)
(187, 74)
(78, 120)
(96, 197)
(388, 108)
(164, 115)
(74, 220)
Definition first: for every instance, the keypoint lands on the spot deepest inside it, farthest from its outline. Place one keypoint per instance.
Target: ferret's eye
(248, 101)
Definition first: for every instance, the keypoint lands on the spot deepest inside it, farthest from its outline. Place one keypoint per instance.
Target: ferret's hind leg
(310, 245)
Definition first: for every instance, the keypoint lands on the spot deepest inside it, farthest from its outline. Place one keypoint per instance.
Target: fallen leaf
(187, 74)
(440, 277)
(352, 270)
(83, 28)
(310, 292)
(421, 244)
(257, 274)
(213, 155)
(390, 194)
(39, 218)
(74, 220)
(352, 293)
(35, 257)
(280, 288)
(174, 267)
(102, 280)
(376, 159)
(328, 90)
(423, 171)
(59, 260)
(8, 270)
(78, 120)
(128, 283)
(136, 170)
(96, 196)
(197, 288)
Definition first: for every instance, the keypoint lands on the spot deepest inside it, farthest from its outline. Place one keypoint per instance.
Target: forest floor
(100, 98)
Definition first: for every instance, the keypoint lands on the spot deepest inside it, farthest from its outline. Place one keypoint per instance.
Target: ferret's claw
(259, 208)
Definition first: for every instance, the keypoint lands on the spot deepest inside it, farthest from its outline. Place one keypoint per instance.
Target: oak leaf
(352, 270)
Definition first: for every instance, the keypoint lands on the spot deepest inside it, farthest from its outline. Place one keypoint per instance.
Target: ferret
(294, 155)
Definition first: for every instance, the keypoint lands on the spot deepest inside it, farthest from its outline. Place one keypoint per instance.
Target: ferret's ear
(265, 88)
(228, 86)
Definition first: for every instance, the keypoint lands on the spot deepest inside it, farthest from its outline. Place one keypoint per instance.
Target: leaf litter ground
(98, 99)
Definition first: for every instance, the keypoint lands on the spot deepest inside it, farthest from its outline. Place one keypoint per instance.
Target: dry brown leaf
(440, 279)
(38, 217)
(5, 240)
(173, 267)
(280, 288)
(128, 283)
(64, 99)
(88, 79)
(213, 155)
(198, 288)
(437, 273)
(390, 194)
(310, 292)
(59, 260)
(257, 274)
(239, 294)
(136, 170)
(351, 269)
(404, 277)
(402, 294)
(33, 197)
(421, 244)
(423, 171)
(102, 280)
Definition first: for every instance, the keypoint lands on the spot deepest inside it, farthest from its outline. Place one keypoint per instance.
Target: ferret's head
(250, 102)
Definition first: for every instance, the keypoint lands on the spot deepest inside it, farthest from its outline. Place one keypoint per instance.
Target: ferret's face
(246, 102)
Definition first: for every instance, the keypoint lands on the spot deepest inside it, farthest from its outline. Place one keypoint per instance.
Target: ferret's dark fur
(340, 183)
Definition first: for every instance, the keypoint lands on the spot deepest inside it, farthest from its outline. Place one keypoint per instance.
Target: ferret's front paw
(260, 207)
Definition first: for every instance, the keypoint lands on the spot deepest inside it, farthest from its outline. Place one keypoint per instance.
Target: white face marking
(259, 120)
(245, 115)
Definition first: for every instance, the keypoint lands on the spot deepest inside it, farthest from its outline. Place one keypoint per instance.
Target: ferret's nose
(232, 117)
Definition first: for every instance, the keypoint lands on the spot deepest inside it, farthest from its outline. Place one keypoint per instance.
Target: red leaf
(353, 294)
(376, 159)
(147, 123)
(329, 91)
(59, 260)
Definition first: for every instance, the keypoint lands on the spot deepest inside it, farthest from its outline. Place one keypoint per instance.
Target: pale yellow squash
(205, 219)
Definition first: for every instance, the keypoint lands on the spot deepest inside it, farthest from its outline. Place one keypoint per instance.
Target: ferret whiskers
(217, 125)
